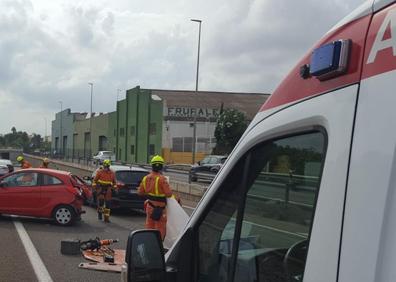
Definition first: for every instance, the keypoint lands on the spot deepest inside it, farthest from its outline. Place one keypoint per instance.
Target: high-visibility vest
(104, 182)
(156, 190)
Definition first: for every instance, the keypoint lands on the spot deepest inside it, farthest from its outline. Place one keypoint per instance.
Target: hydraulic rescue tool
(95, 244)
(99, 247)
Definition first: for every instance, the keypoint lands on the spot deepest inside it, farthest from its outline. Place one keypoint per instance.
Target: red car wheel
(64, 215)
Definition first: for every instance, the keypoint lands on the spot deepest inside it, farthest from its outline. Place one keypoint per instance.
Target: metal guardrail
(299, 182)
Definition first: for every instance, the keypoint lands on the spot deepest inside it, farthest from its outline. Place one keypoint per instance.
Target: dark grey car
(128, 179)
(207, 168)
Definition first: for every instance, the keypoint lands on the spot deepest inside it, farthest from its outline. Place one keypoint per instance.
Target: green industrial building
(132, 132)
(137, 127)
(149, 122)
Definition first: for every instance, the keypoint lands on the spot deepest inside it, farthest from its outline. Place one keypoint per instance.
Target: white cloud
(50, 50)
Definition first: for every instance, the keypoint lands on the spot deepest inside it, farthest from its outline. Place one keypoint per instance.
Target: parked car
(8, 164)
(207, 168)
(3, 170)
(104, 155)
(128, 179)
(43, 193)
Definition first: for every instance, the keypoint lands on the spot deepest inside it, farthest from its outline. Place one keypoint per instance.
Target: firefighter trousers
(159, 225)
(104, 208)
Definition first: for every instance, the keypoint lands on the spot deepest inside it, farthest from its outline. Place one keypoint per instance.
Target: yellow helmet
(106, 163)
(20, 158)
(45, 160)
(157, 160)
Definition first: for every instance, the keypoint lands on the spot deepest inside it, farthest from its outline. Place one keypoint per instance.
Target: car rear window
(77, 180)
(51, 180)
(130, 177)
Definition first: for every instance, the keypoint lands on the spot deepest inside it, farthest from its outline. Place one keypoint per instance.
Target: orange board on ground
(98, 263)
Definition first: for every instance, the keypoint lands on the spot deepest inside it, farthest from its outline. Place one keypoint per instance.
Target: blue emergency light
(330, 60)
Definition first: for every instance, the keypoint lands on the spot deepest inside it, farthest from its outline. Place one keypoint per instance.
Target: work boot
(107, 215)
(107, 219)
(100, 212)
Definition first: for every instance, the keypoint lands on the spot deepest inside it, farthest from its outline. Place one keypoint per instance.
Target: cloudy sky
(50, 50)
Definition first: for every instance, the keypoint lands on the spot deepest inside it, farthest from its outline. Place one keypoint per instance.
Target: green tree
(231, 124)
(21, 140)
(36, 141)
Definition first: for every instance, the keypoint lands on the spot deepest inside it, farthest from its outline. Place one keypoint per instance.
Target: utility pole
(118, 93)
(45, 132)
(60, 133)
(90, 123)
(196, 93)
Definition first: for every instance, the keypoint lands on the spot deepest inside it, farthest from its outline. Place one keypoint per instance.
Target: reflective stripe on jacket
(155, 187)
(104, 177)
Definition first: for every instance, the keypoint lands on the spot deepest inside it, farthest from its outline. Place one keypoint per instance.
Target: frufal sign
(191, 112)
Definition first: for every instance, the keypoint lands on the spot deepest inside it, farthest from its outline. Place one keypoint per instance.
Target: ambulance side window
(272, 225)
(217, 230)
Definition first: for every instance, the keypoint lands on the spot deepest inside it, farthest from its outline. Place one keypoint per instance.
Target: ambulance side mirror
(145, 256)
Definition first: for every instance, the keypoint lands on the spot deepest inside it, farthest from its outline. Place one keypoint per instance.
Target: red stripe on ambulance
(380, 54)
(294, 88)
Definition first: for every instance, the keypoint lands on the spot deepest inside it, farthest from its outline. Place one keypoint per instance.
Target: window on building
(151, 149)
(122, 131)
(56, 143)
(132, 149)
(203, 145)
(177, 144)
(132, 129)
(102, 143)
(187, 144)
(153, 128)
(203, 140)
(182, 144)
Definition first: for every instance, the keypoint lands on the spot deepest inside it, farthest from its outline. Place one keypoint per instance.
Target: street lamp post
(60, 132)
(45, 132)
(196, 92)
(90, 122)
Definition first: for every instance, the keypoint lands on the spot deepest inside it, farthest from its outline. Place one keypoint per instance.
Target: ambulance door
(368, 250)
(274, 212)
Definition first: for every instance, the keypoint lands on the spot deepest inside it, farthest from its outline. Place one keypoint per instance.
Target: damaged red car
(43, 193)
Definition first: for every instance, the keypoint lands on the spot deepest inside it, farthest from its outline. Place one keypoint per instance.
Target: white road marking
(38, 266)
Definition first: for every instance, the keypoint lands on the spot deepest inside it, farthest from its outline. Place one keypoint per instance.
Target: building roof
(248, 103)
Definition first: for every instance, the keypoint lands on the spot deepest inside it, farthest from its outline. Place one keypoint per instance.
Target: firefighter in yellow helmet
(24, 163)
(156, 189)
(103, 183)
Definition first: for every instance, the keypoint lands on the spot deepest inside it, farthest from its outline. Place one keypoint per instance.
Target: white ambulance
(309, 192)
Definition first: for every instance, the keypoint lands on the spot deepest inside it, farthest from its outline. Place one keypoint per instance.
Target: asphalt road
(46, 238)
